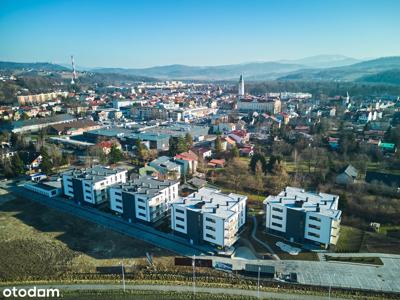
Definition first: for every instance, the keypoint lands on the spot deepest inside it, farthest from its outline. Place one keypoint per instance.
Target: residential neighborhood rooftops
(146, 185)
(299, 199)
(213, 201)
(95, 173)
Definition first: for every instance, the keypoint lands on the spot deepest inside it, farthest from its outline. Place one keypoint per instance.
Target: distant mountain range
(316, 68)
(251, 71)
(382, 70)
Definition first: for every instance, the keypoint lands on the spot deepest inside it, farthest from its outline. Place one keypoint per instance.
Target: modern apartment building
(209, 216)
(304, 217)
(143, 199)
(89, 185)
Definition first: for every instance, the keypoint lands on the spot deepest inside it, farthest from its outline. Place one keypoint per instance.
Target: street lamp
(258, 282)
(194, 275)
(123, 274)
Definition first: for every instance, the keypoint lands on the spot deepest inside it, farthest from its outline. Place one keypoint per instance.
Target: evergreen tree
(17, 164)
(189, 140)
(218, 145)
(115, 155)
(173, 146)
(182, 146)
(235, 152)
(47, 165)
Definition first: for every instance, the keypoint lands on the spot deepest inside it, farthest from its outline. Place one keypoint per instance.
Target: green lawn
(350, 239)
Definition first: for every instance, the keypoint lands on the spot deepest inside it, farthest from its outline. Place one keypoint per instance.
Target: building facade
(89, 185)
(304, 217)
(272, 106)
(209, 216)
(144, 199)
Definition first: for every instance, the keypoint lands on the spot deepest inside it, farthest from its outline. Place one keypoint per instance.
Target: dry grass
(39, 241)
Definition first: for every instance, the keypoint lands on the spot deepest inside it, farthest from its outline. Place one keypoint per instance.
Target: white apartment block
(143, 199)
(260, 105)
(209, 216)
(304, 217)
(89, 185)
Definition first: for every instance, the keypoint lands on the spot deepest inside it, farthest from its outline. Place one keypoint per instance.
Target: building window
(210, 228)
(314, 226)
(142, 207)
(276, 217)
(276, 224)
(179, 211)
(180, 226)
(118, 194)
(180, 219)
(210, 220)
(315, 219)
(118, 207)
(210, 236)
(314, 234)
(141, 200)
(277, 209)
(142, 214)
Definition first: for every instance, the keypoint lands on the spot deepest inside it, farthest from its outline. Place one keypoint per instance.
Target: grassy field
(38, 241)
(350, 239)
(357, 260)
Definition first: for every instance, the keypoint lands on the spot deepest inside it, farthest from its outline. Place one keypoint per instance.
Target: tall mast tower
(73, 70)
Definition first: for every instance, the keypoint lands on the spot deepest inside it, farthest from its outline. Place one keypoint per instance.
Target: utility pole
(194, 275)
(123, 274)
(258, 282)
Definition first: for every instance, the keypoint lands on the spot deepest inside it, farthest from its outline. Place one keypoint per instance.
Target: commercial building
(304, 217)
(143, 199)
(209, 216)
(47, 188)
(38, 123)
(272, 106)
(89, 185)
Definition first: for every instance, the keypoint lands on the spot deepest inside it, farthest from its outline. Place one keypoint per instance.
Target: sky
(123, 33)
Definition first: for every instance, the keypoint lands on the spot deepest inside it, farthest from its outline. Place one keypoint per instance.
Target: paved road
(322, 273)
(181, 288)
(253, 235)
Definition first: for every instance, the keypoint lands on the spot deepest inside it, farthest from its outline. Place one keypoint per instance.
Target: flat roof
(213, 201)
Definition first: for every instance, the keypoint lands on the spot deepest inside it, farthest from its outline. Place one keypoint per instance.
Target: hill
(254, 70)
(39, 66)
(323, 61)
(356, 72)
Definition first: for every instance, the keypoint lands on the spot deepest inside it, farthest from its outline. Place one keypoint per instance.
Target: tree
(259, 178)
(115, 155)
(257, 157)
(46, 165)
(182, 146)
(8, 169)
(189, 140)
(17, 164)
(273, 163)
(141, 150)
(236, 175)
(234, 152)
(218, 145)
(173, 146)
